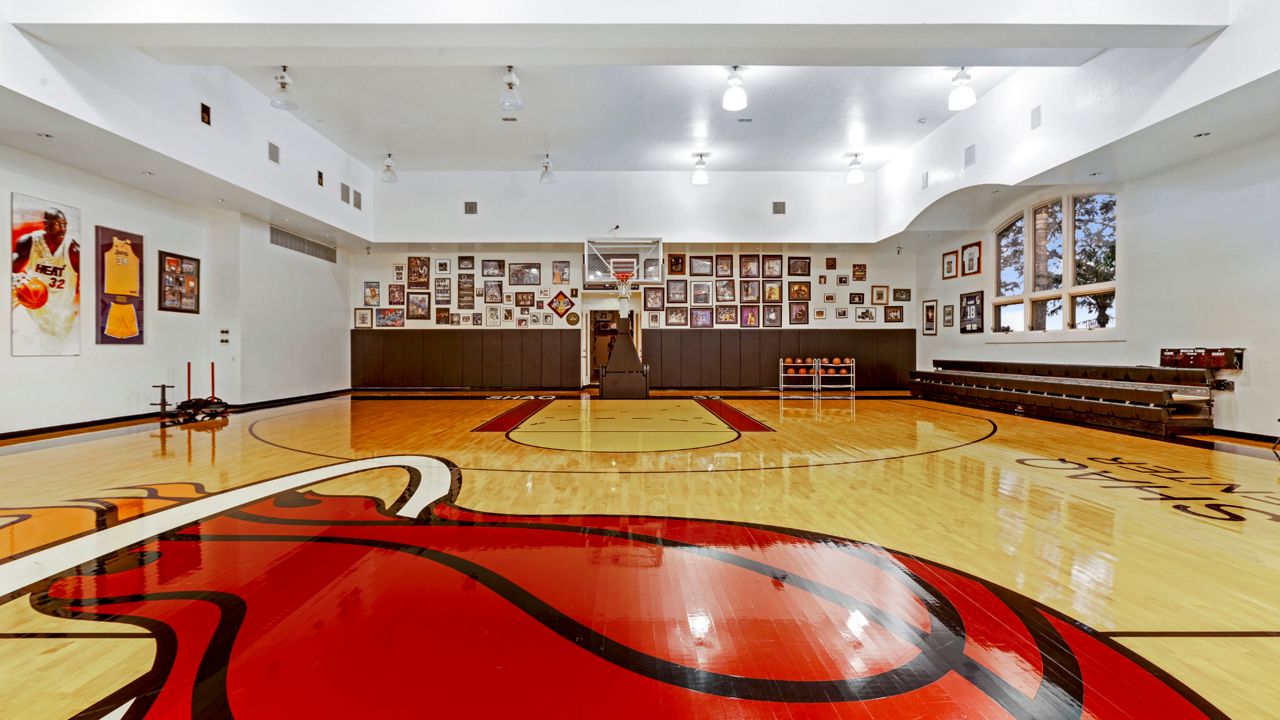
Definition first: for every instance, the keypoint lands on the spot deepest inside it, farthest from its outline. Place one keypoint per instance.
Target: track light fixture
(855, 176)
(735, 97)
(546, 177)
(700, 176)
(962, 96)
(281, 99)
(510, 100)
(388, 174)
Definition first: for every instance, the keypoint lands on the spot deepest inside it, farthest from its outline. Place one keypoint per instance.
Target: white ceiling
(623, 117)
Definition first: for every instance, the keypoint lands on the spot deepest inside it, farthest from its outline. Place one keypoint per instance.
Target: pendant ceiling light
(700, 176)
(962, 96)
(388, 174)
(547, 177)
(281, 99)
(735, 97)
(510, 100)
(855, 176)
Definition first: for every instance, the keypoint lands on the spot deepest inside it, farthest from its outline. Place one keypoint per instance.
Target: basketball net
(624, 291)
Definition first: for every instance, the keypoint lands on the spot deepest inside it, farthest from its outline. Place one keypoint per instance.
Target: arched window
(1046, 282)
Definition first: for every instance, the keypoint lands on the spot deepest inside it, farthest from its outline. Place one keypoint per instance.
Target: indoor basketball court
(671, 362)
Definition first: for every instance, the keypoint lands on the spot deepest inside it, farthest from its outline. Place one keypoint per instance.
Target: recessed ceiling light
(222, 200)
(995, 192)
(746, 120)
(1095, 173)
(1199, 135)
(148, 172)
(44, 135)
(922, 120)
(510, 119)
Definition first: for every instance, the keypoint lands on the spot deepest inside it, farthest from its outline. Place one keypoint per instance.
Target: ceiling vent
(345, 193)
(470, 207)
(1035, 117)
(273, 152)
(297, 243)
(779, 208)
(510, 119)
(970, 156)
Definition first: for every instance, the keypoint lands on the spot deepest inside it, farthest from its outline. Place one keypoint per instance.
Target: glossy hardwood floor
(1165, 553)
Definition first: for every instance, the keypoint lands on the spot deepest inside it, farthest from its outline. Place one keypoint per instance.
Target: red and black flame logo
(305, 605)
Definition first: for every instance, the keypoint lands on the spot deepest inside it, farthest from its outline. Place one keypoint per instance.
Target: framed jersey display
(45, 280)
(179, 283)
(118, 299)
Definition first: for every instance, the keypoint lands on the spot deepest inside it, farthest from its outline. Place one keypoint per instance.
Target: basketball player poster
(45, 304)
(119, 287)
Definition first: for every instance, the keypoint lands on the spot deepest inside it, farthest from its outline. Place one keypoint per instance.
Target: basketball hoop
(623, 278)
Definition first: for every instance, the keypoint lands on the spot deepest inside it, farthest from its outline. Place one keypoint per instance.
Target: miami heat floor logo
(300, 604)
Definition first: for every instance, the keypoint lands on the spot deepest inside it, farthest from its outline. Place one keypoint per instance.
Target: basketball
(844, 371)
(848, 361)
(791, 371)
(32, 293)
(787, 361)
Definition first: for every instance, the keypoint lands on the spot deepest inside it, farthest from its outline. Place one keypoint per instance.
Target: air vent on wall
(924, 180)
(356, 200)
(779, 208)
(1035, 117)
(273, 152)
(346, 193)
(470, 207)
(206, 114)
(289, 241)
(970, 155)
(320, 178)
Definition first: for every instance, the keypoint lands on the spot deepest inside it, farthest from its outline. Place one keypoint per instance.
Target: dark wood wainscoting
(526, 359)
(749, 358)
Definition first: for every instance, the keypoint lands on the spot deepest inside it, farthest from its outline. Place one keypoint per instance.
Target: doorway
(604, 328)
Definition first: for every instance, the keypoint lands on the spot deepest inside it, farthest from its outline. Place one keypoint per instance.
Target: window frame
(1068, 291)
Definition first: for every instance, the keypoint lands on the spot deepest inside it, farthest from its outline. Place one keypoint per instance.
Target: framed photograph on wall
(864, 314)
(363, 318)
(493, 268)
(559, 272)
(524, 299)
(419, 273)
(748, 266)
(749, 291)
(831, 264)
(902, 294)
(798, 266)
(493, 316)
(829, 298)
(677, 291)
(525, 274)
(948, 315)
(842, 313)
(389, 317)
(397, 272)
(372, 290)
(493, 291)
(655, 319)
(857, 298)
(799, 313)
(442, 316)
(655, 298)
(701, 292)
(971, 307)
(701, 265)
(929, 317)
(971, 258)
(749, 316)
(395, 294)
(724, 266)
(418, 306)
(548, 319)
(701, 317)
(180, 284)
(822, 279)
(820, 314)
(859, 272)
(771, 316)
(842, 280)
(771, 266)
(799, 290)
(726, 314)
(442, 267)
(893, 313)
(675, 265)
(879, 294)
(772, 290)
(950, 264)
(466, 291)
(677, 317)
(444, 292)
(724, 291)
(467, 262)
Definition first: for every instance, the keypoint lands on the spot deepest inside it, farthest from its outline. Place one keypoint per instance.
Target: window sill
(1105, 335)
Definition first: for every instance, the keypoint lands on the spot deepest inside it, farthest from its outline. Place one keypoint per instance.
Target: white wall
(734, 208)
(105, 381)
(1196, 267)
(287, 311)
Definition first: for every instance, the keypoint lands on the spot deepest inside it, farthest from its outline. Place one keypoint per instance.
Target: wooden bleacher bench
(1154, 400)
